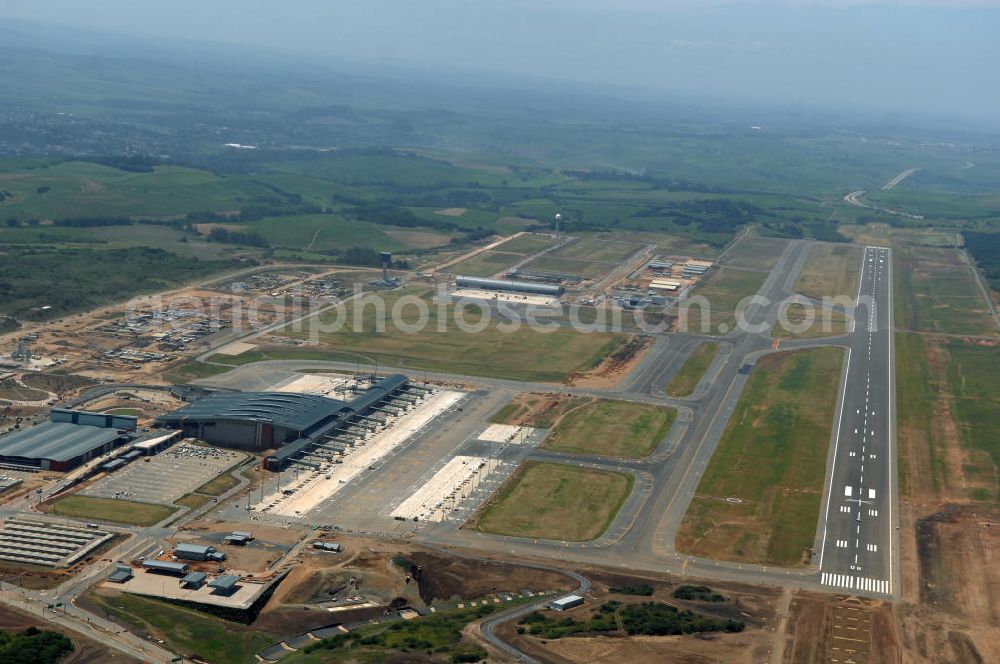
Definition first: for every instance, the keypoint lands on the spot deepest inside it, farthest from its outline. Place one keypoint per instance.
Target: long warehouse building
(509, 285)
(68, 439)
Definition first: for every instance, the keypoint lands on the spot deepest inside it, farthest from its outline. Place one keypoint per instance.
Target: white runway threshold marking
(852, 582)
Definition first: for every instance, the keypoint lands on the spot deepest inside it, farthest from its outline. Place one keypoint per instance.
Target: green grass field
(603, 250)
(527, 244)
(189, 371)
(324, 232)
(694, 367)
(923, 466)
(110, 509)
(190, 632)
(611, 428)
(219, 485)
(755, 253)
(441, 345)
(831, 270)
(519, 409)
(772, 458)
(824, 323)
(486, 264)
(192, 501)
(572, 266)
(11, 389)
(86, 189)
(948, 394)
(440, 633)
(935, 291)
(556, 501)
(973, 378)
(724, 289)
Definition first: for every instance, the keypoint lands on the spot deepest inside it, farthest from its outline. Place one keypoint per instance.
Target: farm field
(611, 428)
(555, 501)
(771, 460)
(331, 232)
(936, 291)
(87, 189)
(691, 372)
(440, 345)
(724, 289)
(831, 270)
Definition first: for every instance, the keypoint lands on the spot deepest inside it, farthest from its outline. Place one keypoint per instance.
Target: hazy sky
(917, 56)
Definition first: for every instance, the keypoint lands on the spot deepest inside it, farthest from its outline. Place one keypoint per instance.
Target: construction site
(545, 270)
(138, 339)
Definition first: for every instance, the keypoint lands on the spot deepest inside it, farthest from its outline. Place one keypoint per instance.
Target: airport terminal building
(254, 420)
(289, 422)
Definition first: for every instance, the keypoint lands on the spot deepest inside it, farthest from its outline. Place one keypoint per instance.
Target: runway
(858, 530)
(642, 535)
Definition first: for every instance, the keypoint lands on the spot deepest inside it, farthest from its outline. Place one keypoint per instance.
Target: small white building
(566, 603)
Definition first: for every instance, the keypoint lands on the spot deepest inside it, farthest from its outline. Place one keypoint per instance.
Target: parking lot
(176, 471)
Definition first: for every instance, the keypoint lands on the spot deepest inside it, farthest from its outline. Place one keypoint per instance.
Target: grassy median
(759, 499)
(689, 375)
(110, 509)
(611, 428)
(555, 501)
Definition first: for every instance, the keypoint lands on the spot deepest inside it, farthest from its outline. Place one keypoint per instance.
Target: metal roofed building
(121, 574)
(255, 420)
(165, 566)
(224, 584)
(194, 580)
(289, 421)
(67, 440)
(566, 603)
(509, 285)
(194, 551)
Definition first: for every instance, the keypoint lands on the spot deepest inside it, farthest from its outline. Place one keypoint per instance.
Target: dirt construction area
(269, 544)
(369, 575)
(951, 585)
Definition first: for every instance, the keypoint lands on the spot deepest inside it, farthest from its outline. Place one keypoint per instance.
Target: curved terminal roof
(304, 413)
(285, 409)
